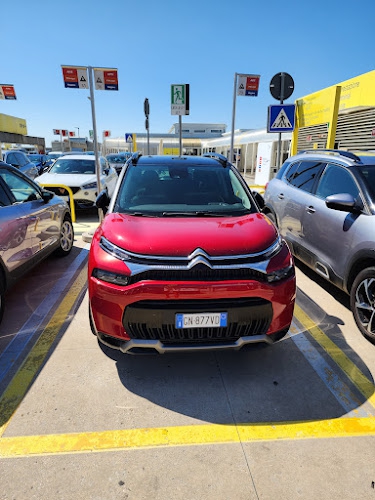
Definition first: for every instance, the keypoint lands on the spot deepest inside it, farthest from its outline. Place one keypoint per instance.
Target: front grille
(199, 273)
(155, 320)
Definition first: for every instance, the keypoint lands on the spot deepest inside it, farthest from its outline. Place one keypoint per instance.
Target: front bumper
(136, 346)
(142, 316)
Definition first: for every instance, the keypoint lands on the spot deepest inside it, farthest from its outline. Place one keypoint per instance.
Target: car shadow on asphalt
(258, 385)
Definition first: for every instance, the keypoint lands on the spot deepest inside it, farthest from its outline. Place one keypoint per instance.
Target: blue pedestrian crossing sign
(281, 118)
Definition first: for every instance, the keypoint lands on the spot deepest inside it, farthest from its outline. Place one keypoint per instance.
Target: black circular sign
(281, 86)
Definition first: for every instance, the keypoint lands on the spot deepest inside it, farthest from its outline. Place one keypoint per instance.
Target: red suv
(184, 260)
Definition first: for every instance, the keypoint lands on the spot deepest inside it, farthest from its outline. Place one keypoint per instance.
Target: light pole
(78, 131)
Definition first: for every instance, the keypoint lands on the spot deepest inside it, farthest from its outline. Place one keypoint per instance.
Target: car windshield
(73, 166)
(367, 172)
(34, 157)
(173, 191)
(117, 158)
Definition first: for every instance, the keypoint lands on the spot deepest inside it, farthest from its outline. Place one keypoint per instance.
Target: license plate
(201, 320)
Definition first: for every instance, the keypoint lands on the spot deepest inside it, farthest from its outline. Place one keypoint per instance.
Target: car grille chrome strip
(139, 263)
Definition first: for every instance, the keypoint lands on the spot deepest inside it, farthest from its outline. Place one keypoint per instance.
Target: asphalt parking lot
(295, 420)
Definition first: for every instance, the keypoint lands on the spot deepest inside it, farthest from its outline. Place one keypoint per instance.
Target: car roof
(78, 157)
(209, 160)
(349, 158)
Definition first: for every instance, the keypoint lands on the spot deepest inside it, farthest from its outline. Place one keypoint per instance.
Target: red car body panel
(215, 235)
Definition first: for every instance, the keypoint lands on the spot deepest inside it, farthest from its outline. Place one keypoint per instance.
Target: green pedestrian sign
(180, 104)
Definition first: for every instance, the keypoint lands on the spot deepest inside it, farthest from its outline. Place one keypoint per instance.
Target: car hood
(176, 236)
(66, 179)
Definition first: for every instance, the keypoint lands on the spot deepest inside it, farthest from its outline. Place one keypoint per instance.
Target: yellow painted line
(21, 381)
(191, 435)
(257, 187)
(86, 442)
(365, 386)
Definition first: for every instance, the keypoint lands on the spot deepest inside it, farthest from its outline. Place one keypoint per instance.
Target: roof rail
(220, 158)
(135, 157)
(337, 152)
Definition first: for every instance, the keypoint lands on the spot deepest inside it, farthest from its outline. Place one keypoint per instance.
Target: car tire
(66, 237)
(362, 302)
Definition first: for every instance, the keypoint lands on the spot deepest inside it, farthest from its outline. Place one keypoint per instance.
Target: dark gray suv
(323, 202)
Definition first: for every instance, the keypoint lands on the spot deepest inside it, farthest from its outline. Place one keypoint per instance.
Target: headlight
(114, 278)
(91, 185)
(114, 250)
(280, 274)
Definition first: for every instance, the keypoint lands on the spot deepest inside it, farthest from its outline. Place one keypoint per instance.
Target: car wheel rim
(365, 304)
(66, 238)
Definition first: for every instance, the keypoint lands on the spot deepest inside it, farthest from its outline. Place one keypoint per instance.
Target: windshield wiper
(140, 214)
(193, 214)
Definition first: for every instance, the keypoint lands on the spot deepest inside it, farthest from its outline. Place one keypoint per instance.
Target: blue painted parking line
(20, 341)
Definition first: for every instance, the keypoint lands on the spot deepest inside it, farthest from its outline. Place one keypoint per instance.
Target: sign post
(6, 92)
(247, 85)
(146, 106)
(180, 104)
(82, 77)
(281, 87)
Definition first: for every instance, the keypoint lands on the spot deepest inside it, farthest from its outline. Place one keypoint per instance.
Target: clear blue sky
(156, 44)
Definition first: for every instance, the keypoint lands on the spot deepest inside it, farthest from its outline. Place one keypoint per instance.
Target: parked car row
(20, 160)
(118, 160)
(187, 257)
(323, 202)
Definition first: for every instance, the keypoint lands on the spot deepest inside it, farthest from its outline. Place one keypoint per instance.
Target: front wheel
(66, 237)
(362, 302)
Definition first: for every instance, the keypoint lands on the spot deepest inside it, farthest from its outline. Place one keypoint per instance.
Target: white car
(78, 173)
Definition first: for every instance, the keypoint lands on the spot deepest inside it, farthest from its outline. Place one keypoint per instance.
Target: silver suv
(323, 202)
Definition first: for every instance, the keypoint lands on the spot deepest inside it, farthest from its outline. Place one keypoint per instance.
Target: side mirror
(102, 200)
(259, 200)
(344, 202)
(47, 196)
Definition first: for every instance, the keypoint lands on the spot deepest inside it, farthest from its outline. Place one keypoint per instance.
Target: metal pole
(233, 118)
(282, 94)
(97, 163)
(180, 133)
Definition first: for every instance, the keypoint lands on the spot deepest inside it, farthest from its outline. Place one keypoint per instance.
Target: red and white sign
(248, 85)
(75, 77)
(7, 92)
(56, 131)
(106, 133)
(72, 134)
(106, 78)
(64, 133)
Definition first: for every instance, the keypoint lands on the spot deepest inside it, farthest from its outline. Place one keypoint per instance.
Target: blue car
(41, 161)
